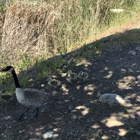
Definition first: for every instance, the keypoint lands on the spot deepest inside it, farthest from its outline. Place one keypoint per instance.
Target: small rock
(31, 133)
(20, 131)
(70, 107)
(48, 134)
(43, 110)
(138, 133)
(26, 137)
(42, 85)
(132, 52)
(69, 122)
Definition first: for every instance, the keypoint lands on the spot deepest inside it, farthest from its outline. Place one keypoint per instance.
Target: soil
(77, 114)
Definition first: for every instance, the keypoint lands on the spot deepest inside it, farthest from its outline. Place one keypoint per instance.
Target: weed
(24, 81)
(5, 81)
(2, 6)
(96, 46)
(42, 72)
(71, 23)
(131, 132)
(7, 136)
(24, 63)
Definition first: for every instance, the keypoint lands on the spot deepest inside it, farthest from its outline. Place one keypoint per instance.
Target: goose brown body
(31, 97)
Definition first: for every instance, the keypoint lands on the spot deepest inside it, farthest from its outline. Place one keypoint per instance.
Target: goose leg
(20, 117)
(53, 97)
(37, 110)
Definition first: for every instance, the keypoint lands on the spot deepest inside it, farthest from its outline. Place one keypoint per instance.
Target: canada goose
(83, 75)
(72, 77)
(53, 82)
(28, 97)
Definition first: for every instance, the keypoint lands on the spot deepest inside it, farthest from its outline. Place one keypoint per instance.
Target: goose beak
(7, 69)
(3, 70)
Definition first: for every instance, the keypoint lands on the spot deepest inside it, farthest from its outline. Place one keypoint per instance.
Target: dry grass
(1, 23)
(28, 28)
(32, 28)
(38, 28)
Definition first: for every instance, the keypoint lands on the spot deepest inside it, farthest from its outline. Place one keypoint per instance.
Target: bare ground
(77, 114)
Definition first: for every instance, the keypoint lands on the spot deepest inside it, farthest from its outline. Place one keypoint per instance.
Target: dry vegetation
(33, 28)
(28, 29)
(49, 27)
(1, 23)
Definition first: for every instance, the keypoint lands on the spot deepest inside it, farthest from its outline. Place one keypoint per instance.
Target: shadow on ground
(78, 115)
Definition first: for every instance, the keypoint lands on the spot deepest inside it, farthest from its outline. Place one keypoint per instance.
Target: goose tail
(52, 97)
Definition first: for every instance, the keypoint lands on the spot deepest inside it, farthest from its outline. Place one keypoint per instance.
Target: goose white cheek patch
(11, 70)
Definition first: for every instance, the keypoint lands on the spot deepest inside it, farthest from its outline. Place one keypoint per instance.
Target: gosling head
(7, 69)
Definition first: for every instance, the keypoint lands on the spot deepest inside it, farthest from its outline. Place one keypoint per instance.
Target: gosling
(72, 76)
(53, 82)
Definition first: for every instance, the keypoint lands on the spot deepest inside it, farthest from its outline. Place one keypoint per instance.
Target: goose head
(11, 69)
(83, 75)
(7, 69)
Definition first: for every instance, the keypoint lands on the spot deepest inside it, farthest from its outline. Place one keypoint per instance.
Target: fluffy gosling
(54, 83)
(72, 77)
(83, 75)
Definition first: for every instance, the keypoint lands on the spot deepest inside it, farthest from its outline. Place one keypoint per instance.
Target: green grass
(6, 83)
(43, 69)
(131, 132)
(7, 136)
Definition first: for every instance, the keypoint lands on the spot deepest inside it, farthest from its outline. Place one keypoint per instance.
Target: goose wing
(34, 97)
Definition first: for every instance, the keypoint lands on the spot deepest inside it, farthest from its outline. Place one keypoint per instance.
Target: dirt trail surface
(78, 115)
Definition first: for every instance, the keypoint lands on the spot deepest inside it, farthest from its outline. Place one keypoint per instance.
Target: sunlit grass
(69, 24)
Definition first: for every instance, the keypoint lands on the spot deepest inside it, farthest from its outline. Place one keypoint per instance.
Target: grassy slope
(86, 51)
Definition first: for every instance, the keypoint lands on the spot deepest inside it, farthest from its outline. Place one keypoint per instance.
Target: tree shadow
(78, 115)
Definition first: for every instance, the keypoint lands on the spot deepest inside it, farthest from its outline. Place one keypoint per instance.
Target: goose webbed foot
(34, 115)
(21, 116)
(31, 115)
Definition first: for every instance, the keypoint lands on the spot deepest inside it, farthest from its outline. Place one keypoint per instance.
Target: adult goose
(28, 97)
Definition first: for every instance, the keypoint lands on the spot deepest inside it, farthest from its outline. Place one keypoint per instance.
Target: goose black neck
(17, 84)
